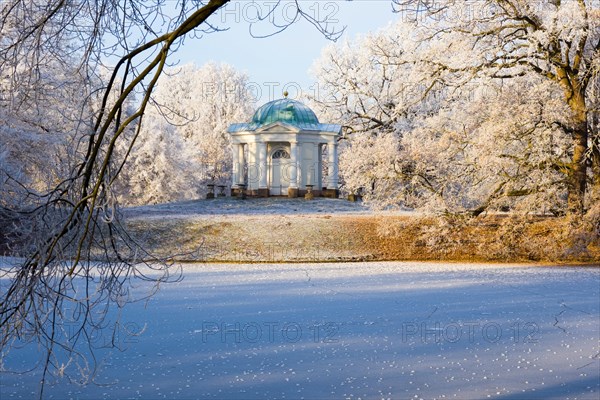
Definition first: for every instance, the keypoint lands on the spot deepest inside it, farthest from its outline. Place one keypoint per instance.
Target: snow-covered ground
(356, 330)
(252, 206)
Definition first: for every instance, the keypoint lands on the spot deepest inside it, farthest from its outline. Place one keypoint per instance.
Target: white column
(262, 161)
(241, 163)
(319, 182)
(294, 165)
(333, 164)
(252, 163)
(314, 168)
(236, 165)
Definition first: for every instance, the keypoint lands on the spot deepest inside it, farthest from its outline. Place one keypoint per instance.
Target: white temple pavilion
(284, 151)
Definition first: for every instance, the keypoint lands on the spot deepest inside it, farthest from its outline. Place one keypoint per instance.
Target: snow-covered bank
(285, 230)
(353, 330)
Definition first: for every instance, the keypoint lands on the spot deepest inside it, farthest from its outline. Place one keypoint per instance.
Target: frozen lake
(357, 330)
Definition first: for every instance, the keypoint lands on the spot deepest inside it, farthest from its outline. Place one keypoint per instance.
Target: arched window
(280, 154)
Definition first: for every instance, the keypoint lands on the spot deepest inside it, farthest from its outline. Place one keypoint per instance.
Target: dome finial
(285, 94)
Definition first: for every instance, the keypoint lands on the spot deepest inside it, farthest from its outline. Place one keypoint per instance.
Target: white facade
(284, 155)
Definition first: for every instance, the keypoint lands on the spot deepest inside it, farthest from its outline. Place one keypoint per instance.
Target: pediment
(278, 127)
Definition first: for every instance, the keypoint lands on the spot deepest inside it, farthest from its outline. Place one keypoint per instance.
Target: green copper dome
(284, 110)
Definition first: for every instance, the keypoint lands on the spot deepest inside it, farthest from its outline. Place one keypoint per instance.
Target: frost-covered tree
(369, 165)
(557, 41)
(184, 143)
(41, 116)
(491, 148)
(481, 118)
(375, 98)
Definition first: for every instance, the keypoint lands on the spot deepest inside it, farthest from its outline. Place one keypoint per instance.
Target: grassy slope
(333, 237)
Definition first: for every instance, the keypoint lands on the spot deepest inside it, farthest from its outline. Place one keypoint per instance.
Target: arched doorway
(280, 176)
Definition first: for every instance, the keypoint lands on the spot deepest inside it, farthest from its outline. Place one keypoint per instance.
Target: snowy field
(358, 330)
(253, 206)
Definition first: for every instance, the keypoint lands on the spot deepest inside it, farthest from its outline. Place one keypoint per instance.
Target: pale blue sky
(282, 60)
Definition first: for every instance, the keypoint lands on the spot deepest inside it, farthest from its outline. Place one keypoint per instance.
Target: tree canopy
(492, 103)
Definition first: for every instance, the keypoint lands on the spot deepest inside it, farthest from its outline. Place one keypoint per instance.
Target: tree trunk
(595, 140)
(578, 171)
